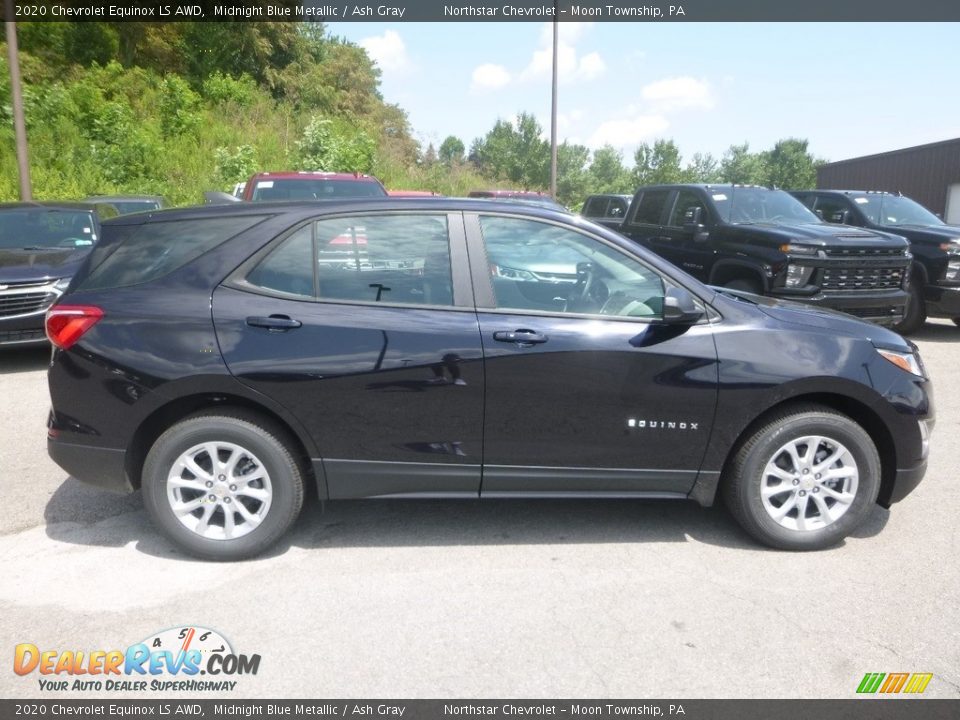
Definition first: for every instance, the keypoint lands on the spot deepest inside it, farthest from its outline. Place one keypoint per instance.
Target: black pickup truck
(935, 279)
(767, 242)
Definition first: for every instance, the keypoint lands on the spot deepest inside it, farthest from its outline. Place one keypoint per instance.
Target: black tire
(915, 313)
(266, 442)
(745, 285)
(743, 479)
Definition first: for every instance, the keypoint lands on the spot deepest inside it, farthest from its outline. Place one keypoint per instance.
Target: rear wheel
(223, 486)
(804, 480)
(915, 312)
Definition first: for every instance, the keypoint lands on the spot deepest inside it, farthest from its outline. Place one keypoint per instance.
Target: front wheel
(222, 486)
(915, 312)
(804, 480)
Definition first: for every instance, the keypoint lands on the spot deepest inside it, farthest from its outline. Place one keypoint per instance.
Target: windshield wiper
(37, 247)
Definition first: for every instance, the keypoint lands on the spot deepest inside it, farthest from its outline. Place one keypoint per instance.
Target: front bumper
(23, 330)
(101, 467)
(883, 307)
(905, 482)
(942, 301)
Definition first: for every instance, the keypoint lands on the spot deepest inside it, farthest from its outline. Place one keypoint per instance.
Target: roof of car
(340, 205)
(847, 192)
(48, 204)
(316, 174)
(111, 198)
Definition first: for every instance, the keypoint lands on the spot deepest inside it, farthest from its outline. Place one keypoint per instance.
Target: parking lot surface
(491, 599)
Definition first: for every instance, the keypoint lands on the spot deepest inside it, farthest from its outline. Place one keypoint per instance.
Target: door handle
(274, 323)
(524, 338)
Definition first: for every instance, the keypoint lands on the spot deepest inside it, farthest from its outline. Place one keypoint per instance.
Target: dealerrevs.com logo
(187, 659)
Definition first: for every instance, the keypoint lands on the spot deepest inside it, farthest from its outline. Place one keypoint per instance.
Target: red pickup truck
(311, 186)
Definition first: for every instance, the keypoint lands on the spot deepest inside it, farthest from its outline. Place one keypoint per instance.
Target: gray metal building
(930, 174)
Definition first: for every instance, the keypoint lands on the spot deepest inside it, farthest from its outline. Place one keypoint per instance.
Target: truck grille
(864, 252)
(862, 278)
(25, 298)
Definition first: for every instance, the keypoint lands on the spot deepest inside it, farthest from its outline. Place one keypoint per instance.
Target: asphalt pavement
(493, 599)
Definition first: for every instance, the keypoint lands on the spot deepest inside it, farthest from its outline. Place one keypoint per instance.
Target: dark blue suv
(224, 359)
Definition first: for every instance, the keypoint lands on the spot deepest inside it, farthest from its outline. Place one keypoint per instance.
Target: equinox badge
(660, 424)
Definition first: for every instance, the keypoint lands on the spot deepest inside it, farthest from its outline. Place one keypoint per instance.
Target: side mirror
(819, 213)
(841, 217)
(693, 224)
(680, 307)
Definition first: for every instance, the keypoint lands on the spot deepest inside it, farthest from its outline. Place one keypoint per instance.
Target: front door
(586, 391)
(364, 329)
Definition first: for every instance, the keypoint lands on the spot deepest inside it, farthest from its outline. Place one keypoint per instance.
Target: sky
(850, 89)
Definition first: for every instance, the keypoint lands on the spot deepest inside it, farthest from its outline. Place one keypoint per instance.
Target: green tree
(743, 167)
(573, 179)
(658, 164)
(451, 150)
(789, 165)
(703, 168)
(607, 173)
(515, 152)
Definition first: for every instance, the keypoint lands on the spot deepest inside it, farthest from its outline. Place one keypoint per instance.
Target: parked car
(610, 208)
(766, 242)
(311, 186)
(935, 280)
(236, 367)
(129, 203)
(413, 193)
(41, 246)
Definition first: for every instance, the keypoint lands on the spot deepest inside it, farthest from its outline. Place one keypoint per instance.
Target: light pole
(20, 128)
(553, 109)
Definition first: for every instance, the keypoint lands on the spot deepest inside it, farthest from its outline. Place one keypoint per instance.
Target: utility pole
(553, 108)
(20, 128)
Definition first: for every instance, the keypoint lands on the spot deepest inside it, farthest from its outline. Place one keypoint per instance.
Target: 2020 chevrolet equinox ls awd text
(225, 358)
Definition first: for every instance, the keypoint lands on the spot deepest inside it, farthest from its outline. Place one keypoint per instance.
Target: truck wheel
(915, 312)
(222, 486)
(744, 285)
(804, 480)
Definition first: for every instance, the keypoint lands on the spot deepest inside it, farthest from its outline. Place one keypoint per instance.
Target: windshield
(40, 228)
(315, 189)
(895, 210)
(745, 205)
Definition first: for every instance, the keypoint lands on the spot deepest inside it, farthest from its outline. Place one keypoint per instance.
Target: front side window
(539, 267)
(685, 207)
(832, 209)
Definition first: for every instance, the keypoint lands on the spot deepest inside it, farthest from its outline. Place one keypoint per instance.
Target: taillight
(67, 323)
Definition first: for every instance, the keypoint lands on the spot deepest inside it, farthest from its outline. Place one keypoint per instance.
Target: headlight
(795, 249)
(62, 284)
(904, 360)
(797, 275)
(952, 247)
(512, 273)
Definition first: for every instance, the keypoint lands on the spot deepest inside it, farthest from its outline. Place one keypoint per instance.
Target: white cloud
(489, 77)
(570, 66)
(628, 131)
(678, 92)
(388, 51)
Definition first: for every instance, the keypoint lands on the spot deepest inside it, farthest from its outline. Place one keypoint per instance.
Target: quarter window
(539, 267)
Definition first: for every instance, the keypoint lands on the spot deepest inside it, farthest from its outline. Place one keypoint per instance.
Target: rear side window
(650, 209)
(158, 248)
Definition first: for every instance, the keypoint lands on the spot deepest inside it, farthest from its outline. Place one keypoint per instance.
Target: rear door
(645, 220)
(586, 392)
(363, 327)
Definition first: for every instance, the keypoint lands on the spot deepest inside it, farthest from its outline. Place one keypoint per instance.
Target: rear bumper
(100, 467)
